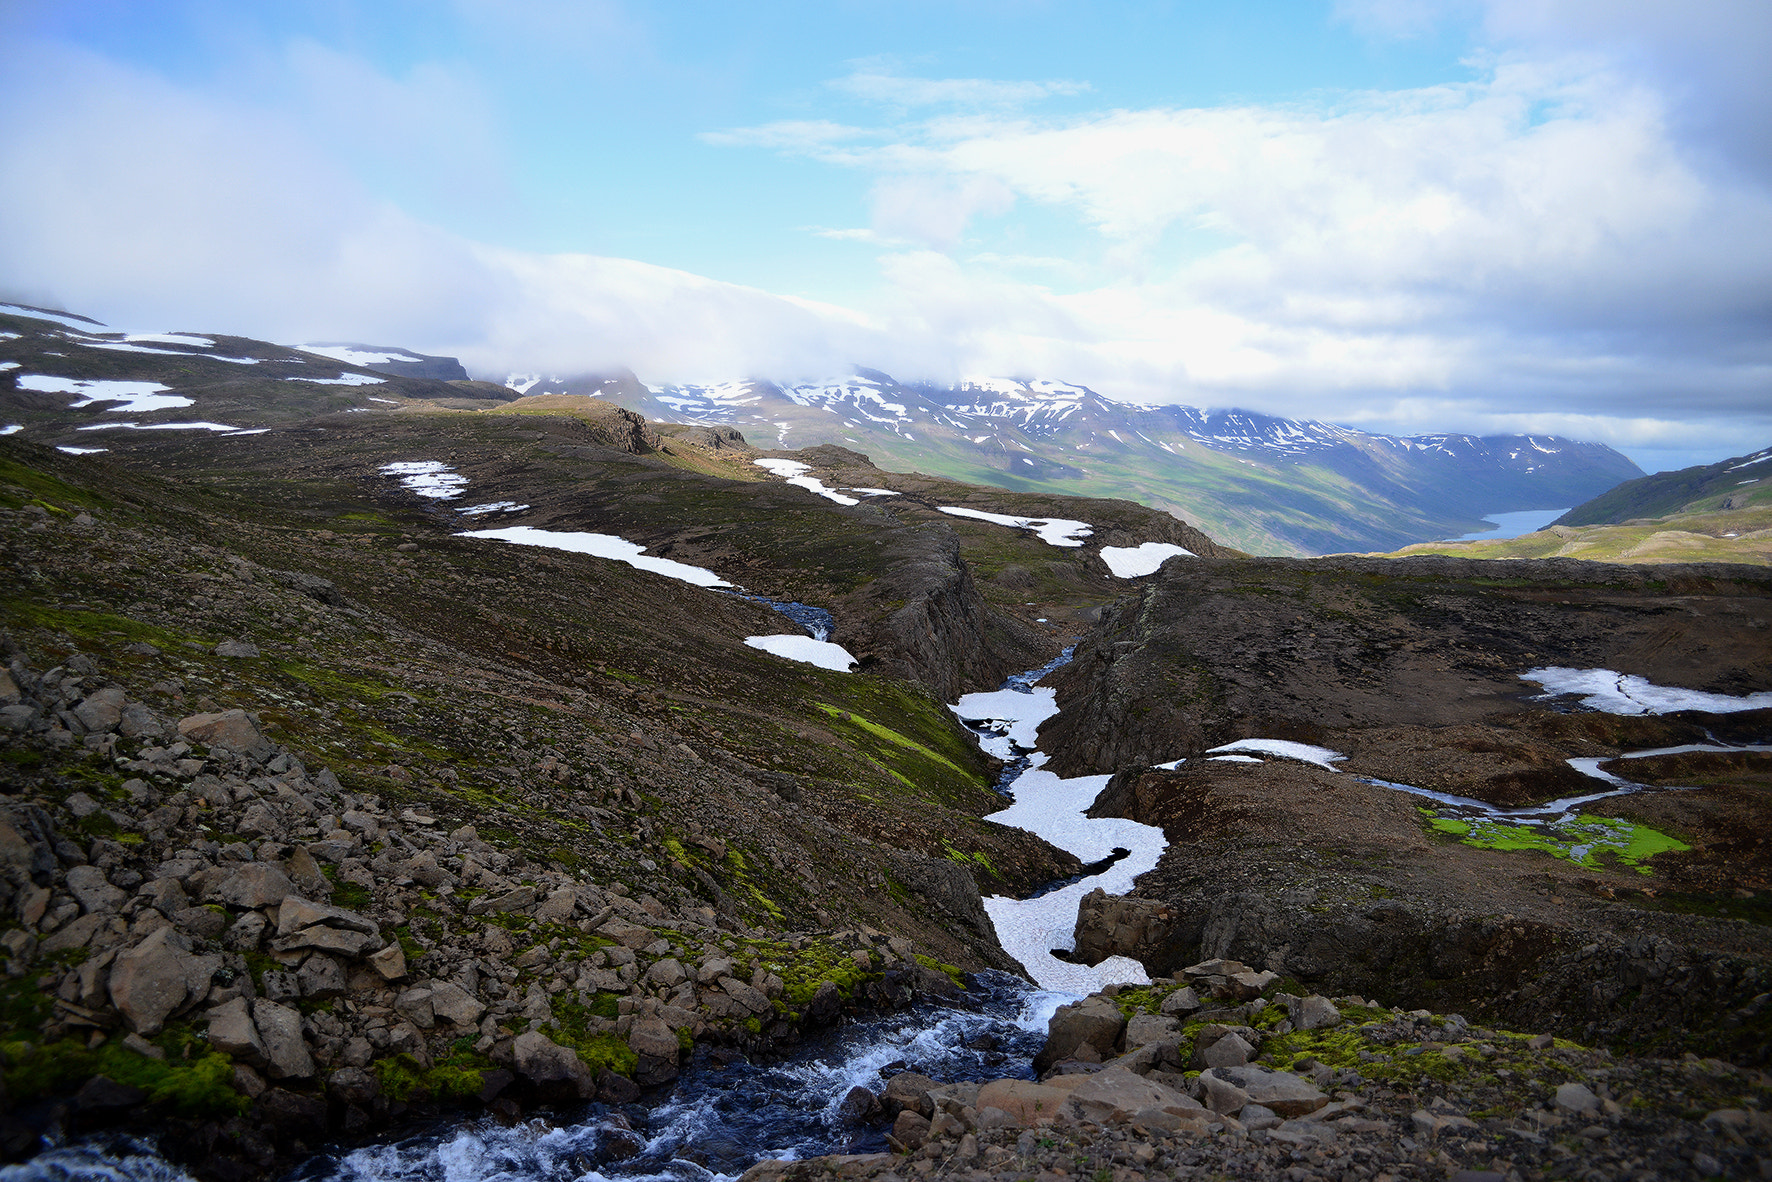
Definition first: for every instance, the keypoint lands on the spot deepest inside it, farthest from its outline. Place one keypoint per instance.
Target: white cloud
(878, 84)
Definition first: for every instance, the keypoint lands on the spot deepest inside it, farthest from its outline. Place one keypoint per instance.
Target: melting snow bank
(1052, 808)
(1285, 748)
(822, 653)
(794, 472)
(428, 478)
(137, 397)
(1054, 531)
(1622, 693)
(600, 546)
(1129, 562)
(1030, 929)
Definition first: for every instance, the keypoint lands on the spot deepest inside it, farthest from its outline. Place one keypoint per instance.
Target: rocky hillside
(321, 813)
(1637, 920)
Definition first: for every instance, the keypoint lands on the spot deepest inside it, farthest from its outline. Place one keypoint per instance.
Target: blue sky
(1484, 215)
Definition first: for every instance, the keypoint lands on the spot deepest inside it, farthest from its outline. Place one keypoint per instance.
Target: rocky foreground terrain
(1221, 1072)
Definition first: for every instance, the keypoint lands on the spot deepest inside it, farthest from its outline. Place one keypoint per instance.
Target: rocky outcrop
(1304, 648)
(1318, 1087)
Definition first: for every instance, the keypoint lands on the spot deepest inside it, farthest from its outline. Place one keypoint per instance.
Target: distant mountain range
(1264, 484)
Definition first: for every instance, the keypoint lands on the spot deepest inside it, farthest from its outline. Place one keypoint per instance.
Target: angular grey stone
(148, 982)
(1095, 1021)
(1229, 1051)
(668, 972)
(454, 1004)
(657, 1048)
(1114, 1092)
(389, 963)
(558, 906)
(101, 711)
(751, 999)
(254, 884)
(1148, 1028)
(1286, 1094)
(236, 648)
(321, 978)
(1576, 1098)
(513, 900)
(246, 932)
(97, 896)
(1314, 1013)
(296, 914)
(232, 1032)
(232, 729)
(325, 939)
(202, 922)
(279, 1028)
(1181, 1002)
(415, 1005)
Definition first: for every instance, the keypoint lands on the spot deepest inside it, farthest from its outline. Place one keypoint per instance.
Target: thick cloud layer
(1579, 241)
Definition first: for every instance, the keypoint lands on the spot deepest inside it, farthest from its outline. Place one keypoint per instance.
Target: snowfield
(792, 647)
(1129, 562)
(794, 472)
(137, 397)
(1054, 531)
(1622, 693)
(428, 478)
(600, 546)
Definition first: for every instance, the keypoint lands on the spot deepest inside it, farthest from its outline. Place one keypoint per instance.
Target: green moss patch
(1585, 841)
(199, 1086)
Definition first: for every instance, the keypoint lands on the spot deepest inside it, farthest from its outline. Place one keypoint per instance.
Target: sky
(1410, 216)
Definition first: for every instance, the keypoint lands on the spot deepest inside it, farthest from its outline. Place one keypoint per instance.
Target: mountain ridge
(1256, 481)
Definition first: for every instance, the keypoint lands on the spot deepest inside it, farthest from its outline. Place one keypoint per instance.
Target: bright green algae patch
(1578, 839)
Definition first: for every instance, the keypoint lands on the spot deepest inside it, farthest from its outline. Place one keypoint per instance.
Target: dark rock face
(945, 636)
(1217, 650)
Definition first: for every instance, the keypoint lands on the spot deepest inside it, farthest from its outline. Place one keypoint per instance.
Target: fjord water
(1511, 525)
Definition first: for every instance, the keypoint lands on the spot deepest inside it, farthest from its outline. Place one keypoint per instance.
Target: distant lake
(1512, 525)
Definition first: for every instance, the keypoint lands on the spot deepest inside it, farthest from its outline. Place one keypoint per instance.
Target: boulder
(148, 983)
(1119, 925)
(1026, 1103)
(1576, 1098)
(557, 907)
(232, 729)
(254, 884)
(95, 893)
(547, 1064)
(321, 978)
(908, 1089)
(454, 1004)
(1095, 1022)
(1148, 1028)
(1314, 1013)
(1181, 1002)
(232, 1032)
(389, 963)
(656, 1045)
(858, 1106)
(1114, 1093)
(668, 973)
(102, 711)
(297, 913)
(910, 1129)
(1229, 1051)
(279, 1029)
(1286, 1094)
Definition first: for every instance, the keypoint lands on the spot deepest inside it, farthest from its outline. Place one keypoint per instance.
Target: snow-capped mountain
(1269, 484)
